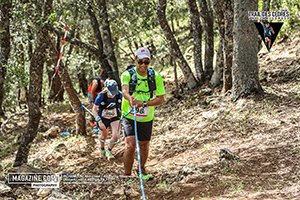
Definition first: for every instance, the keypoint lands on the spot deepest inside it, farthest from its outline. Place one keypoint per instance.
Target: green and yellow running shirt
(142, 93)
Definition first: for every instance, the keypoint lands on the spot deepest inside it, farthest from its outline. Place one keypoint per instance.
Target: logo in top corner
(268, 32)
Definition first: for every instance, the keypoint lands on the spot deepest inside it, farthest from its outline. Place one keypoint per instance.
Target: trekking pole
(138, 154)
(85, 108)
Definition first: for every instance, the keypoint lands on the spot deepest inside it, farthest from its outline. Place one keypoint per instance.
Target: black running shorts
(107, 122)
(144, 129)
(268, 36)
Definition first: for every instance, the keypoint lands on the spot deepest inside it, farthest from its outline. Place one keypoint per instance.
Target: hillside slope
(188, 134)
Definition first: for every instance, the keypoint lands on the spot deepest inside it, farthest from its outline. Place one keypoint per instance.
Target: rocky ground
(188, 135)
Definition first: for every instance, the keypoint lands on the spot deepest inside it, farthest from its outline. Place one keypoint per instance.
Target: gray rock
(119, 191)
(57, 195)
(43, 192)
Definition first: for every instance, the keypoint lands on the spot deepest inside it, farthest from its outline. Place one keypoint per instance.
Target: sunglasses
(146, 62)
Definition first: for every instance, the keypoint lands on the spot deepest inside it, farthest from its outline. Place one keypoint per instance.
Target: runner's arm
(157, 101)
(126, 95)
(272, 30)
(95, 111)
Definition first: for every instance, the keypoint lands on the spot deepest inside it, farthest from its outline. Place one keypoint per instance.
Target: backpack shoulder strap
(151, 81)
(119, 103)
(103, 100)
(133, 80)
(119, 99)
(99, 87)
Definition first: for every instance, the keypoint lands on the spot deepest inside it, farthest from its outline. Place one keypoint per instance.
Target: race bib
(109, 113)
(141, 113)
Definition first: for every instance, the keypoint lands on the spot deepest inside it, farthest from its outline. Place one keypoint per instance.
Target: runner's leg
(129, 154)
(144, 146)
(114, 129)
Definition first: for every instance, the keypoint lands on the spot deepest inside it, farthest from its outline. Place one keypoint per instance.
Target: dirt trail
(187, 138)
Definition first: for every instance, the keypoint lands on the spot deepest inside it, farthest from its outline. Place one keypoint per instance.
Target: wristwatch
(98, 119)
(144, 104)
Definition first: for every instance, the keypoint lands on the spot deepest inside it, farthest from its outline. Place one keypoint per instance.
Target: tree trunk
(101, 55)
(83, 82)
(22, 96)
(207, 14)
(176, 92)
(245, 66)
(74, 100)
(72, 94)
(4, 47)
(266, 5)
(217, 75)
(81, 73)
(197, 35)
(21, 84)
(35, 88)
(228, 45)
(109, 49)
(30, 38)
(56, 90)
(218, 70)
(161, 14)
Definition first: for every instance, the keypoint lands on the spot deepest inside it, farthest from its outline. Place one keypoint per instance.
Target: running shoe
(109, 155)
(103, 153)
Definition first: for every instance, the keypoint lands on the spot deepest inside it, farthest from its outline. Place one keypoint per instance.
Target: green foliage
(236, 188)
(8, 149)
(164, 185)
(4, 1)
(5, 168)
(132, 23)
(19, 75)
(18, 66)
(292, 24)
(135, 23)
(58, 108)
(260, 4)
(205, 148)
(53, 17)
(293, 6)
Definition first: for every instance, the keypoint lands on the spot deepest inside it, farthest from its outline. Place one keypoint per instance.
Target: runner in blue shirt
(107, 113)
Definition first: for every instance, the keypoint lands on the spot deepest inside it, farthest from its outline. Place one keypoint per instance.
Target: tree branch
(91, 48)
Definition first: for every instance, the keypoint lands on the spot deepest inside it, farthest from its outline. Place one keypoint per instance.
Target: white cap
(143, 52)
(112, 87)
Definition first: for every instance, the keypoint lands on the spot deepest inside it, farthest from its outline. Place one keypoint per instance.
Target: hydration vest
(134, 81)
